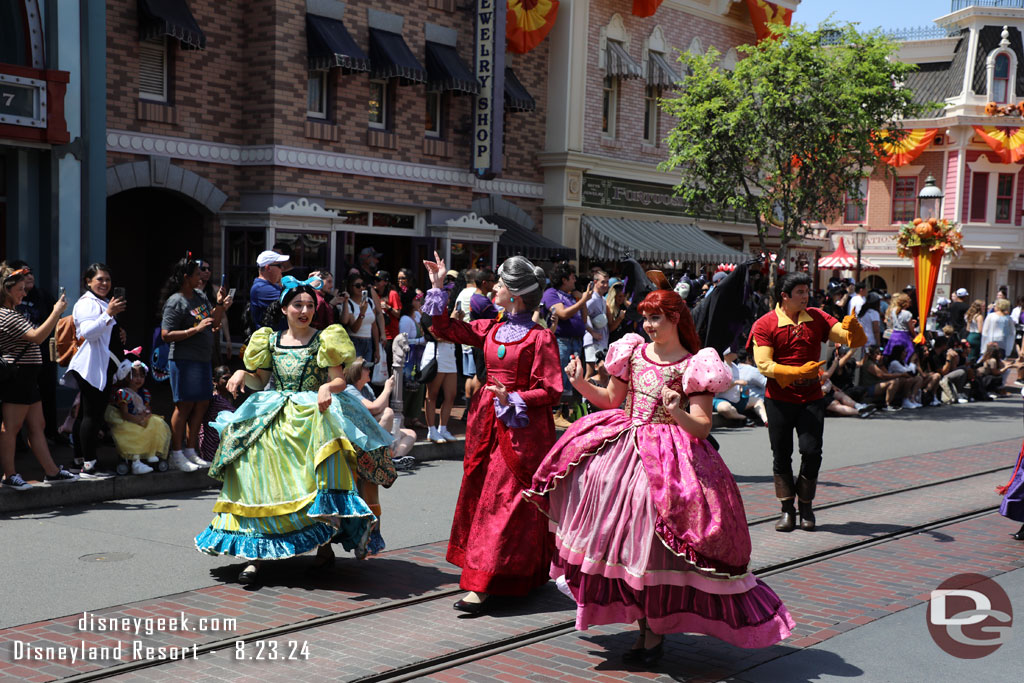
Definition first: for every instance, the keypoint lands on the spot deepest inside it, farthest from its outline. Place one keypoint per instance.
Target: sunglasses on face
(358, 285)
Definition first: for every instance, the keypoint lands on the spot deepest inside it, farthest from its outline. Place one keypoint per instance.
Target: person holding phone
(357, 316)
(188, 323)
(91, 369)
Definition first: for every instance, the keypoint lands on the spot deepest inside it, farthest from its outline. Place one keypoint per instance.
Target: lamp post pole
(860, 238)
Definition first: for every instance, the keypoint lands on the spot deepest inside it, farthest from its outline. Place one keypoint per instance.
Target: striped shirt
(13, 327)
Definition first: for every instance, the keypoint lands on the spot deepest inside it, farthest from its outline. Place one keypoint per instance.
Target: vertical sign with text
(488, 112)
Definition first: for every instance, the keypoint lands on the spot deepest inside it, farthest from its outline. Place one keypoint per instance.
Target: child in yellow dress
(138, 434)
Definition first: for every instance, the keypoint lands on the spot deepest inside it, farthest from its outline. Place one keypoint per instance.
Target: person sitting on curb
(878, 382)
(736, 402)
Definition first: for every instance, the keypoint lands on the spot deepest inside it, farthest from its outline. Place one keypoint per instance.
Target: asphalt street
(65, 561)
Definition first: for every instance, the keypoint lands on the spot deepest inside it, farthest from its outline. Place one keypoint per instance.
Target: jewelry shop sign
(488, 112)
(22, 101)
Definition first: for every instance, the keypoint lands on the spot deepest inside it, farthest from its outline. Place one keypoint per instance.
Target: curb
(90, 491)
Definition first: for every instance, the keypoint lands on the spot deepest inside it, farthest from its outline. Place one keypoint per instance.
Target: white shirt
(94, 326)
(856, 301)
(756, 382)
(365, 330)
(597, 319)
(869, 329)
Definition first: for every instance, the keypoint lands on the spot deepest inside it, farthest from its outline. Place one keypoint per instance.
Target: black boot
(785, 491)
(805, 489)
(1019, 535)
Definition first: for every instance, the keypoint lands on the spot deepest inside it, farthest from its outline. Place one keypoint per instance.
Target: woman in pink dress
(499, 539)
(649, 524)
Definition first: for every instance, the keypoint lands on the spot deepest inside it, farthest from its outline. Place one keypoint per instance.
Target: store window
(609, 105)
(470, 255)
(904, 200)
(434, 114)
(13, 44)
(856, 211)
(651, 96)
(1004, 198)
(378, 105)
(316, 95)
(979, 197)
(308, 251)
(379, 222)
(153, 59)
(241, 247)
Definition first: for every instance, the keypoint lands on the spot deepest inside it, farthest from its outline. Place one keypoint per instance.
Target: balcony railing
(923, 32)
(961, 4)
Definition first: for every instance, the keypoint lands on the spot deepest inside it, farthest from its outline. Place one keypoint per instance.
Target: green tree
(789, 132)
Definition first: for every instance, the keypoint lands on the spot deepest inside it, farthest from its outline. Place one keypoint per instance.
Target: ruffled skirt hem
(264, 547)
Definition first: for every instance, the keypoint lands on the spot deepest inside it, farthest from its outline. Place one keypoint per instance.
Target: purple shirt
(481, 308)
(574, 326)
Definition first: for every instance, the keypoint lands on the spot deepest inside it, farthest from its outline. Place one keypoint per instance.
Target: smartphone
(365, 295)
(118, 292)
(223, 279)
(60, 292)
(231, 292)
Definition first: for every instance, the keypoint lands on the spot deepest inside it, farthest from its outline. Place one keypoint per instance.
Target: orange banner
(645, 8)
(926, 274)
(902, 152)
(527, 23)
(1006, 141)
(765, 15)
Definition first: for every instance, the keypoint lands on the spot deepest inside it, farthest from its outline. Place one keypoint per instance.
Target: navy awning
(516, 96)
(170, 18)
(329, 45)
(520, 241)
(447, 71)
(390, 57)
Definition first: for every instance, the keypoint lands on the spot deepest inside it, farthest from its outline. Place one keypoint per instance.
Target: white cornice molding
(471, 221)
(909, 170)
(984, 165)
(302, 207)
(714, 10)
(313, 160)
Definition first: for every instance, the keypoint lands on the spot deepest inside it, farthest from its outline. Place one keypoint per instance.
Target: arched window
(1001, 79)
(13, 33)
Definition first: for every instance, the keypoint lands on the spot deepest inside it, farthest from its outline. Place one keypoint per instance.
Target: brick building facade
(230, 130)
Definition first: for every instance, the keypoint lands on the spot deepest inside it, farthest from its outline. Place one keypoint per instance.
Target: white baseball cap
(268, 257)
(962, 292)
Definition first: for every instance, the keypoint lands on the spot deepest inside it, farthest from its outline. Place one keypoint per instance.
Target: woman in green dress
(290, 458)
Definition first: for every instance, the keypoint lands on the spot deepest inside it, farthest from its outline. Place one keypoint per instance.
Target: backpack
(66, 341)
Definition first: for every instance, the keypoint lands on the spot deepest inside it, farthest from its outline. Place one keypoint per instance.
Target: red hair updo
(671, 305)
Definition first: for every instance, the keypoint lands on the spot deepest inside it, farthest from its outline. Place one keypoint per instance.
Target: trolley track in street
(450, 660)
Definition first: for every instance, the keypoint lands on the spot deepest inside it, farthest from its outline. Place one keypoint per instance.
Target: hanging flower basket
(929, 235)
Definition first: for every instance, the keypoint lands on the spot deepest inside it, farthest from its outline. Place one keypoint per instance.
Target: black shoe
(1019, 535)
(652, 655)
(807, 519)
(787, 521)
(633, 656)
(474, 608)
(249, 576)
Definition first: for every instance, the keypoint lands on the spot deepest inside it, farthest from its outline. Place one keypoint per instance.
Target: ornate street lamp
(929, 199)
(860, 238)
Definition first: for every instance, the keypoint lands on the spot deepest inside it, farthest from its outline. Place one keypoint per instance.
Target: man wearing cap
(787, 348)
(266, 288)
(958, 311)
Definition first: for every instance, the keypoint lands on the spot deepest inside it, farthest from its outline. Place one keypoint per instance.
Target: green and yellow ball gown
(290, 471)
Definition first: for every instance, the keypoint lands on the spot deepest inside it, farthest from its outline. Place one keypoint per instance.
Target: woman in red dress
(500, 540)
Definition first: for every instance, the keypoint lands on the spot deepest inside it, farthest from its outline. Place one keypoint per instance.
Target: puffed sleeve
(619, 353)
(257, 351)
(335, 347)
(706, 373)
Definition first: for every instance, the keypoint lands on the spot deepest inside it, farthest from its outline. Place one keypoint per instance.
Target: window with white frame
(434, 114)
(378, 105)
(609, 105)
(366, 220)
(904, 199)
(153, 69)
(316, 95)
(651, 95)
(1004, 198)
(1001, 78)
(855, 210)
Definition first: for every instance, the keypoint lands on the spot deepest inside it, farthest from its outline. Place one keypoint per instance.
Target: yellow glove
(787, 374)
(855, 336)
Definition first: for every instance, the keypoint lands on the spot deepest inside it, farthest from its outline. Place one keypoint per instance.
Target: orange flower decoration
(528, 22)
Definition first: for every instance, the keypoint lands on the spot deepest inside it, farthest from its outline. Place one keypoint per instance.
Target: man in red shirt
(787, 348)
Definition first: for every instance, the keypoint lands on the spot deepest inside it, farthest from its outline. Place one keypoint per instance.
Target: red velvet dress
(499, 539)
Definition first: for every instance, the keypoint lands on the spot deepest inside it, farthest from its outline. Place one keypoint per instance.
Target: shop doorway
(397, 251)
(874, 282)
(148, 230)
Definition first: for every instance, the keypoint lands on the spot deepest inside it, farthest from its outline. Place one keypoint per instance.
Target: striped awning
(607, 239)
(447, 72)
(517, 98)
(518, 240)
(330, 45)
(170, 18)
(619, 64)
(659, 72)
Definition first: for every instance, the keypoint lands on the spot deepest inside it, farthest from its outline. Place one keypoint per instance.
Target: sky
(887, 14)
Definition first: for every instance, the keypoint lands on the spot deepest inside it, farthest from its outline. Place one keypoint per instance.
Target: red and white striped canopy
(842, 259)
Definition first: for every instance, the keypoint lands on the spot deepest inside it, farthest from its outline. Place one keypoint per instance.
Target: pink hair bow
(137, 351)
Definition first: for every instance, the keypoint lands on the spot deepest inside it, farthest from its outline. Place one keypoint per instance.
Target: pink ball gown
(648, 520)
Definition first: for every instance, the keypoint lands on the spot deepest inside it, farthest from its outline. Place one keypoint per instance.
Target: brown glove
(855, 336)
(787, 374)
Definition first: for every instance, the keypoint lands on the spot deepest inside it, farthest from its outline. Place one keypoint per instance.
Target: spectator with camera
(188, 323)
(595, 339)
(570, 326)
(357, 315)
